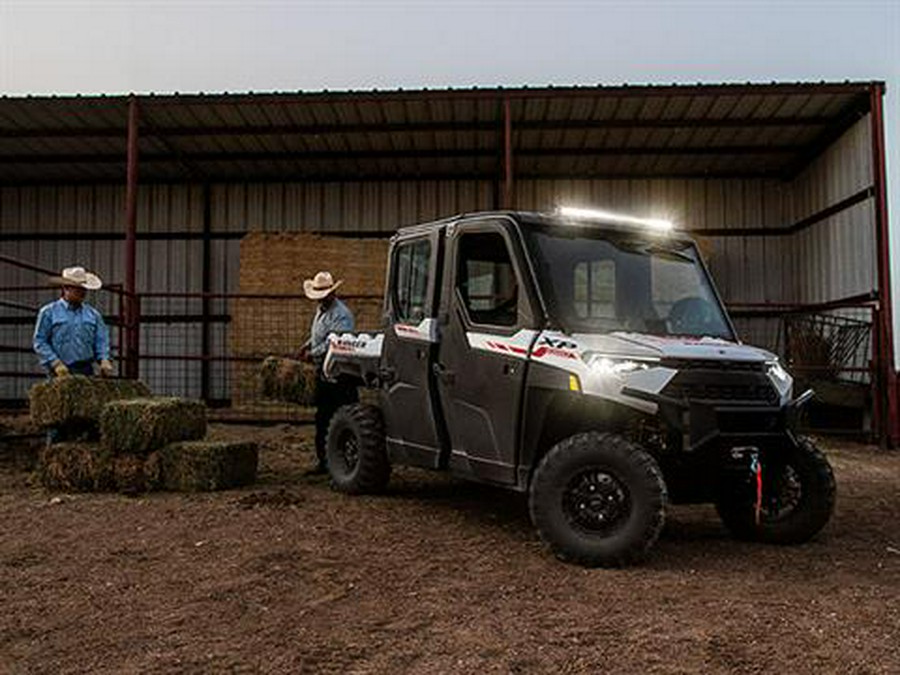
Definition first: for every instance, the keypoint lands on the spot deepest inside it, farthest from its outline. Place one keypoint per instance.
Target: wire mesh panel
(831, 353)
(829, 346)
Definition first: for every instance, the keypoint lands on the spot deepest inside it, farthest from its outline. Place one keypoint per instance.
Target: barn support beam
(132, 327)
(886, 403)
(508, 196)
(298, 129)
(157, 158)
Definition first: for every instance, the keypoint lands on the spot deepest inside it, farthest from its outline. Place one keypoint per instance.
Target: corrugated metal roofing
(728, 130)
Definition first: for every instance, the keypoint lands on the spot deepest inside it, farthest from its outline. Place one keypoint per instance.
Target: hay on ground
(141, 425)
(203, 466)
(78, 400)
(288, 380)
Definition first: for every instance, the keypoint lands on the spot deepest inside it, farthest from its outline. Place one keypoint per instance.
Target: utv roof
(543, 219)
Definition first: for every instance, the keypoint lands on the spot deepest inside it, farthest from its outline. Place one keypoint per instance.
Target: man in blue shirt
(332, 316)
(70, 335)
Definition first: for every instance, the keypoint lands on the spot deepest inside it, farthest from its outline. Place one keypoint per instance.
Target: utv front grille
(718, 366)
(705, 381)
(746, 393)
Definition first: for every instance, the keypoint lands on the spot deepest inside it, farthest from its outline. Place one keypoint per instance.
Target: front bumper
(702, 424)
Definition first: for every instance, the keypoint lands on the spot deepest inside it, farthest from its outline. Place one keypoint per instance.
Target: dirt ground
(437, 576)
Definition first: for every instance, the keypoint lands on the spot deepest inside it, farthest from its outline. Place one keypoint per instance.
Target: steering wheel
(693, 316)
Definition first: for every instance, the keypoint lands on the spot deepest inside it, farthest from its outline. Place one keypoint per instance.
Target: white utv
(584, 358)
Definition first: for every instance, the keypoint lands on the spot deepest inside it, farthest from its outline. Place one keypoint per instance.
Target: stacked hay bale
(143, 425)
(72, 405)
(141, 441)
(278, 264)
(84, 467)
(202, 466)
(156, 429)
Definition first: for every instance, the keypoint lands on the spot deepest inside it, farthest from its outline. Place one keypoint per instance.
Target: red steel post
(131, 365)
(885, 328)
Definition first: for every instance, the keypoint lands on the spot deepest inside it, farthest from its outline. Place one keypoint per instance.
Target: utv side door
(411, 414)
(487, 334)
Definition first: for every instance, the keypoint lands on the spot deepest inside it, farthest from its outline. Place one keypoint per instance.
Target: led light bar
(593, 214)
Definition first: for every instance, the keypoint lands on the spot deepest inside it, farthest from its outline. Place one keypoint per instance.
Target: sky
(73, 46)
(107, 46)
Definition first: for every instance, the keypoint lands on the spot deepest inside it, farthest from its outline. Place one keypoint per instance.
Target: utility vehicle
(585, 358)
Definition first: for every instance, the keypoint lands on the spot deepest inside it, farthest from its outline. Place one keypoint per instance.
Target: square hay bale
(288, 380)
(204, 466)
(76, 467)
(141, 425)
(85, 467)
(78, 400)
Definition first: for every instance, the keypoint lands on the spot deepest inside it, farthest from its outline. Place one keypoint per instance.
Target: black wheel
(357, 459)
(598, 500)
(798, 497)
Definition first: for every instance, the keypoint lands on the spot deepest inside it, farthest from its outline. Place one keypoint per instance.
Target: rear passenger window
(411, 262)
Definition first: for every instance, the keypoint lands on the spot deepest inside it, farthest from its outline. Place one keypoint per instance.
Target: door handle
(509, 368)
(443, 373)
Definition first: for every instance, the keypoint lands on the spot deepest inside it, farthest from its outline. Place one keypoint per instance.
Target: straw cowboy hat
(78, 276)
(320, 285)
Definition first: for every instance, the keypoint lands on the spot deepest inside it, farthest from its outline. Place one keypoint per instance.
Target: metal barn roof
(727, 130)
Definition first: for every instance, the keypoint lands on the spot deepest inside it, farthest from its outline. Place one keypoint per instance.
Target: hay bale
(203, 466)
(132, 474)
(75, 467)
(77, 400)
(288, 380)
(85, 467)
(141, 425)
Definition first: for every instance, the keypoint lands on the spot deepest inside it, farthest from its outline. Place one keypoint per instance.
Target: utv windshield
(599, 282)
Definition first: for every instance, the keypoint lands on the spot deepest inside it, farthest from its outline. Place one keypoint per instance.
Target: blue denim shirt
(70, 334)
(336, 319)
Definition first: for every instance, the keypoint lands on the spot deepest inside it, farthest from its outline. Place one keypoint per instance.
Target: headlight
(777, 373)
(615, 366)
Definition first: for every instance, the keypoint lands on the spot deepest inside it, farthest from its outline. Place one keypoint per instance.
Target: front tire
(798, 499)
(355, 448)
(598, 499)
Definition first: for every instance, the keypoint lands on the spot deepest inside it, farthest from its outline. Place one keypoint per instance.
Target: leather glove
(106, 368)
(60, 369)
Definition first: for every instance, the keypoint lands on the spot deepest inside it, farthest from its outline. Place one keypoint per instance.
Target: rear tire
(355, 448)
(798, 499)
(598, 499)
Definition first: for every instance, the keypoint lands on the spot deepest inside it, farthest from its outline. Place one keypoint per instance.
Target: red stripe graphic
(541, 352)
